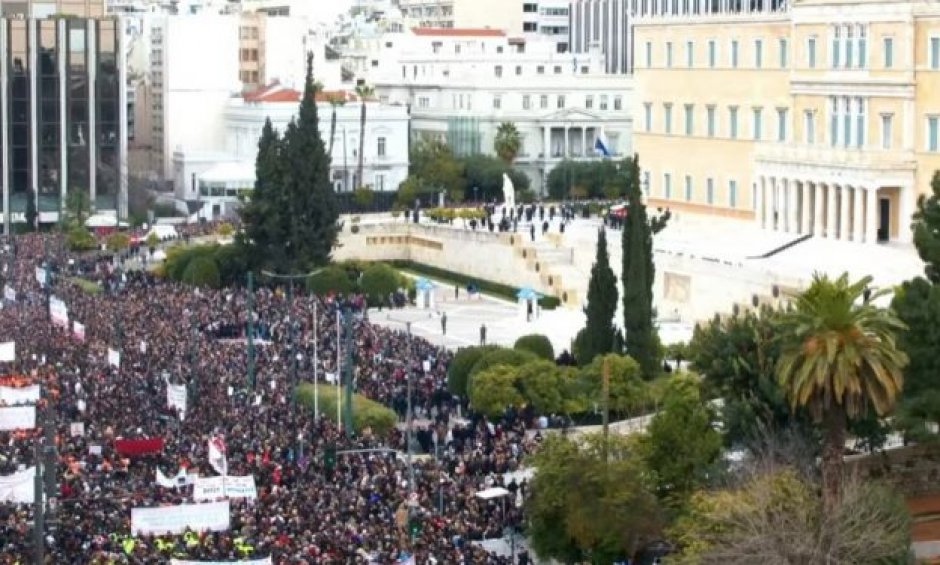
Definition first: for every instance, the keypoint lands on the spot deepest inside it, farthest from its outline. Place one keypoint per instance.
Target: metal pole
(39, 518)
(339, 397)
(193, 377)
(316, 362)
(411, 469)
(606, 384)
(251, 331)
(293, 349)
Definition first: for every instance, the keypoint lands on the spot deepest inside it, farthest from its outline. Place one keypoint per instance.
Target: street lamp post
(251, 331)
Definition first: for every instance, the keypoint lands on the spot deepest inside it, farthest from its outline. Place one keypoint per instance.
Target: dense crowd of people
(307, 510)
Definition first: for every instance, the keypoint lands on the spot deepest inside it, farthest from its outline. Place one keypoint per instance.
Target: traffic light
(414, 525)
(329, 457)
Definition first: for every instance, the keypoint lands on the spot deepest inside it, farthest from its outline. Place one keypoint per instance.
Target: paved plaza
(504, 322)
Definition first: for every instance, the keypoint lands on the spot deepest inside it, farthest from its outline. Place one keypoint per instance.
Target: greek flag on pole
(601, 147)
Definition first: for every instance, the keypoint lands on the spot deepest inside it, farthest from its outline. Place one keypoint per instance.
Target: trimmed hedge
(366, 413)
(487, 287)
(496, 289)
(536, 344)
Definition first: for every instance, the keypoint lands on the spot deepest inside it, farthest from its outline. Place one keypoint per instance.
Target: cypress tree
(264, 215)
(312, 202)
(638, 273)
(597, 337)
(290, 219)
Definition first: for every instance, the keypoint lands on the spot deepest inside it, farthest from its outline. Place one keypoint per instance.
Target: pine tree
(638, 273)
(599, 333)
(312, 202)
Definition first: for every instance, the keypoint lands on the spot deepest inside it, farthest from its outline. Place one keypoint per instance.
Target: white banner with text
(213, 516)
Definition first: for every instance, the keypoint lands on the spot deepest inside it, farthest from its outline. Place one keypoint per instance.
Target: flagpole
(339, 398)
(316, 363)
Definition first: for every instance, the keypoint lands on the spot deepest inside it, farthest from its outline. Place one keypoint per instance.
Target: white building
(191, 85)
(216, 176)
(547, 19)
(604, 24)
(461, 84)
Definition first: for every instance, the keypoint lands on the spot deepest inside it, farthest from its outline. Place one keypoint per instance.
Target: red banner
(15, 381)
(142, 446)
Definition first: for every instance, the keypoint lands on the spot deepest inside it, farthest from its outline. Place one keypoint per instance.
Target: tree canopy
(508, 142)
(582, 507)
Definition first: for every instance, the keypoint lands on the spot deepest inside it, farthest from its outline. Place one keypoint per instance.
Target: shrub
(378, 281)
(225, 229)
(80, 239)
(549, 302)
(366, 413)
(202, 271)
(333, 279)
(118, 241)
(458, 374)
(537, 344)
(178, 258)
(499, 356)
(494, 389)
(354, 228)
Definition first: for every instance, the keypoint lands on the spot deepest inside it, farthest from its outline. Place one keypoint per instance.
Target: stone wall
(914, 470)
(490, 256)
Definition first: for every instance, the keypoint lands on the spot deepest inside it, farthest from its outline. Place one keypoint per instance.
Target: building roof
(457, 32)
(229, 172)
(278, 93)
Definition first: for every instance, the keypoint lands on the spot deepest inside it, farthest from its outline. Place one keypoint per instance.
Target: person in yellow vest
(191, 539)
(243, 547)
(128, 544)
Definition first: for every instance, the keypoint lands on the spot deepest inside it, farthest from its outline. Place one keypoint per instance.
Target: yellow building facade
(819, 118)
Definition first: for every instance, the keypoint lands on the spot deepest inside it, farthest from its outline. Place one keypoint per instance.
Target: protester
(305, 512)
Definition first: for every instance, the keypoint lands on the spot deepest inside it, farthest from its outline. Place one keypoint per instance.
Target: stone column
(871, 215)
(584, 151)
(565, 145)
(818, 209)
(793, 224)
(759, 202)
(831, 228)
(547, 142)
(845, 230)
(806, 214)
(857, 195)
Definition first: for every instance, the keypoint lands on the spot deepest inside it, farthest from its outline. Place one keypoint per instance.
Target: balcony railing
(893, 159)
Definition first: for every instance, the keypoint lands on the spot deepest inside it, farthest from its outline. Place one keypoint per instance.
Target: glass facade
(19, 105)
(107, 167)
(62, 125)
(50, 142)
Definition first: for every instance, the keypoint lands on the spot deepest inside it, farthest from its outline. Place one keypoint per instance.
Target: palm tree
(507, 142)
(838, 358)
(364, 92)
(334, 100)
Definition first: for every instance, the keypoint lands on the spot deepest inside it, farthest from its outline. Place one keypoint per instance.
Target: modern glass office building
(63, 115)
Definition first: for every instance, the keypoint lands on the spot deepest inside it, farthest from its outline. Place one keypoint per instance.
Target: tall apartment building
(812, 119)
(604, 24)
(190, 84)
(518, 18)
(63, 110)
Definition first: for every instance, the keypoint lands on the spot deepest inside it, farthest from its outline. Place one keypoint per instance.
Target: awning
(492, 492)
